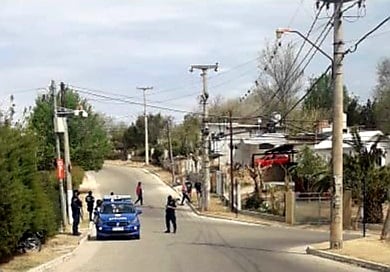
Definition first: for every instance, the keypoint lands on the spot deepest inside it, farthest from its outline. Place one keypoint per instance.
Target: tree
(134, 136)
(311, 172)
(89, 142)
(279, 79)
(186, 136)
(26, 203)
(382, 95)
(362, 167)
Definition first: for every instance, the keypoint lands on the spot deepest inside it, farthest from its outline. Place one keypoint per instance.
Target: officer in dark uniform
(76, 205)
(170, 215)
(90, 202)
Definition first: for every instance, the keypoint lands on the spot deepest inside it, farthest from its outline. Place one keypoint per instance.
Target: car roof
(116, 198)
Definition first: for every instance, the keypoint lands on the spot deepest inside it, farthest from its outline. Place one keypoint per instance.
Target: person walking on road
(76, 206)
(139, 193)
(184, 191)
(90, 203)
(170, 215)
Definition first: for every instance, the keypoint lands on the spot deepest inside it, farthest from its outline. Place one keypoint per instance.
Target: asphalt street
(201, 244)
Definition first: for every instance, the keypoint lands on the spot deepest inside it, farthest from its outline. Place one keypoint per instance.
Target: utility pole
(232, 200)
(336, 226)
(144, 89)
(60, 178)
(69, 186)
(205, 135)
(171, 151)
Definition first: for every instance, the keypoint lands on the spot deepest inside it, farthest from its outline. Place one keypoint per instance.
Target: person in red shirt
(139, 193)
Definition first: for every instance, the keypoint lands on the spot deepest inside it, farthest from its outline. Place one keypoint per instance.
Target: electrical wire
(355, 46)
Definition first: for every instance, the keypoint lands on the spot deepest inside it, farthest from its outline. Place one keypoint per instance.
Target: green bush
(28, 198)
(14, 205)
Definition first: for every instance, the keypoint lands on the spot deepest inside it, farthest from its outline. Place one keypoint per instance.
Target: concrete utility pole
(144, 89)
(205, 135)
(336, 226)
(60, 180)
(69, 186)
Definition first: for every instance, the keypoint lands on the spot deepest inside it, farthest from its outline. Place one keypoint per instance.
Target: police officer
(76, 205)
(170, 215)
(90, 202)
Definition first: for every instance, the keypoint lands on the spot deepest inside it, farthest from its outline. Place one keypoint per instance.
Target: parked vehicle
(30, 242)
(271, 159)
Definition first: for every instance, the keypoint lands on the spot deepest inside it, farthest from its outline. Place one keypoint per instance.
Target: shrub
(253, 202)
(77, 176)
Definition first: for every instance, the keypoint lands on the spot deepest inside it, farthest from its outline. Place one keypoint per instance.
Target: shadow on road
(241, 248)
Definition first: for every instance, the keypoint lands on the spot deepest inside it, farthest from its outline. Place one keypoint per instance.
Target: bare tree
(279, 79)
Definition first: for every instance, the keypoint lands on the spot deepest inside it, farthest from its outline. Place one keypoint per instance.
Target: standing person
(170, 215)
(139, 193)
(76, 205)
(198, 188)
(90, 202)
(189, 187)
(184, 191)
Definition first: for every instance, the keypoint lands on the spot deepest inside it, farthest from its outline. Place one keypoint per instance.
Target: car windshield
(113, 208)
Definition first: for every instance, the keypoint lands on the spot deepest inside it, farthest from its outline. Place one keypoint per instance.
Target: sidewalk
(368, 252)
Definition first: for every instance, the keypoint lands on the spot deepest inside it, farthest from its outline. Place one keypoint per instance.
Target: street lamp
(61, 126)
(281, 31)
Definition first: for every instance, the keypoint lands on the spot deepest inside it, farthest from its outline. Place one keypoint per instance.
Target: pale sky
(115, 46)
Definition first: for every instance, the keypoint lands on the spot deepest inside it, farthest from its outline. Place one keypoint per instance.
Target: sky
(113, 47)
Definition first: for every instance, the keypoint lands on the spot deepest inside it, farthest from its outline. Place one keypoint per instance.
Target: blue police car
(117, 217)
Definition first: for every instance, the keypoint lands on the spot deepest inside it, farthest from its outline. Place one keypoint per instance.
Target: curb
(347, 259)
(61, 259)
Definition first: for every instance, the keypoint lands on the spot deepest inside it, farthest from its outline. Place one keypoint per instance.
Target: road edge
(61, 259)
(347, 259)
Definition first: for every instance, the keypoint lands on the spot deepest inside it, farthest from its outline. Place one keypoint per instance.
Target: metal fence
(312, 208)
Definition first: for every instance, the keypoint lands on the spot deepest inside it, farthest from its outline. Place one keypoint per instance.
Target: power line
(134, 102)
(355, 46)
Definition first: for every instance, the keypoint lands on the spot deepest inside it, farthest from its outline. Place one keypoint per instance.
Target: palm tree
(362, 168)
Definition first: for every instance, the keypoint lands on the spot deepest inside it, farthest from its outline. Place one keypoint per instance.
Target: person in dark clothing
(189, 187)
(90, 203)
(98, 207)
(139, 193)
(198, 187)
(170, 215)
(76, 205)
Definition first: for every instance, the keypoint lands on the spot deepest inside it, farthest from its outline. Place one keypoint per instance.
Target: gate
(312, 208)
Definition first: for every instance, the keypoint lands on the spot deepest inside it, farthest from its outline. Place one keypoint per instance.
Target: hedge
(28, 198)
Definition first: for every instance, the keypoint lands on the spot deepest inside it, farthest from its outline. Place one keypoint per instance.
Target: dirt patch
(55, 247)
(370, 249)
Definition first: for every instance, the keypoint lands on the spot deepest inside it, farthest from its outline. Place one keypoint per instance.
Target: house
(368, 138)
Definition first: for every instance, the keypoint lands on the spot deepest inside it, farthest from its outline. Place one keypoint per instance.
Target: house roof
(269, 138)
(368, 137)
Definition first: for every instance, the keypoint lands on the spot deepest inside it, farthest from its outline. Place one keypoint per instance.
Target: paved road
(201, 244)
